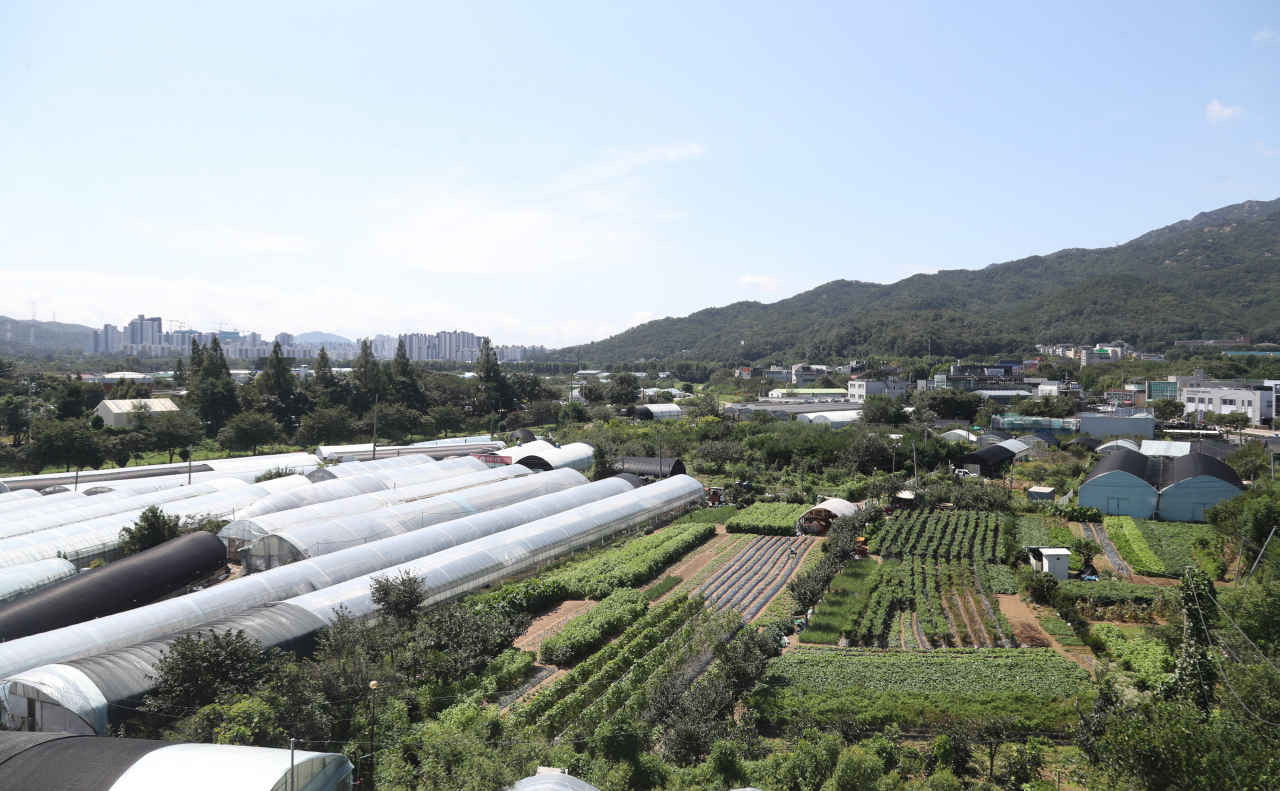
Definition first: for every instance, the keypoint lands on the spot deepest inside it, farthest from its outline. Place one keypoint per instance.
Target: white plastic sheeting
(541, 455)
(464, 568)
(1117, 444)
(216, 767)
(462, 475)
(330, 452)
(82, 542)
(322, 492)
(30, 499)
(285, 582)
(302, 462)
(21, 580)
(833, 419)
(57, 514)
(323, 538)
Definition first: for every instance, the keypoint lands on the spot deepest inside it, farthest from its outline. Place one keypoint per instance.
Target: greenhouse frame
(30, 498)
(91, 689)
(574, 456)
(284, 582)
(21, 580)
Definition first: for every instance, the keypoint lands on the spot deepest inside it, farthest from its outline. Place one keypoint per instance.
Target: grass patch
(660, 590)
(832, 613)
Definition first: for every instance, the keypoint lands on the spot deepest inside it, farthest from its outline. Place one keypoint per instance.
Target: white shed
(119, 414)
(1050, 559)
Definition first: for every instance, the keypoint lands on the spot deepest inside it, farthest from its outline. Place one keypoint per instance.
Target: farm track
(977, 629)
(921, 641)
(1108, 548)
(991, 613)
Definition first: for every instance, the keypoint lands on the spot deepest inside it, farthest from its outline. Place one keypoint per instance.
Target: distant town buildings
(145, 337)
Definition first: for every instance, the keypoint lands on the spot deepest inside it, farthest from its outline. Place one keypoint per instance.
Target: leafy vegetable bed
(1147, 659)
(1132, 545)
(1174, 542)
(588, 632)
(940, 535)
(832, 613)
(767, 519)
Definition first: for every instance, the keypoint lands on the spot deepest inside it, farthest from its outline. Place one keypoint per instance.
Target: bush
(277, 472)
(586, 633)
(1040, 585)
(152, 528)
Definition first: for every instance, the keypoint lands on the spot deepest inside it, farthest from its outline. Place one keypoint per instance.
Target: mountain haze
(1215, 275)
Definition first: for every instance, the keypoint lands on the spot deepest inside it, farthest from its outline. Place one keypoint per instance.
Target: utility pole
(375, 428)
(191, 452)
(293, 782)
(915, 470)
(373, 719)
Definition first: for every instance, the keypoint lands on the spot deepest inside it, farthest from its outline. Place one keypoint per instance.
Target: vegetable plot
(767, 519)
(1132, 545)
(945, 535)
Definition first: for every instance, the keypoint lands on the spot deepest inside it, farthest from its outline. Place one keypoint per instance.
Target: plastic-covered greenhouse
(836, 419)
(350, 468)
(94, 691)
(21, 580)
(57, 514)
(284, 582)
(330, 452)
(301, 462)
(575, 456)
(247, 530)
(322, 538)
(657, 412)
(63, 761)
(30, 499)
(132, 582)
(83, 542)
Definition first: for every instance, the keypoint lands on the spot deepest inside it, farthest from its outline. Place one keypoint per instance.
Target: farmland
(767, 519)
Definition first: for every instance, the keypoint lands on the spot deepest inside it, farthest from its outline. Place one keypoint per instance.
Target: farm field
(756, 574)
(767, 519)
(1036, 686)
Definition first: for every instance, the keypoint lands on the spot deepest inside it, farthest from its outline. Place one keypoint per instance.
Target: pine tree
(215, 364)
(277, 380)
(180, 374)
(324, 370)
(492, 381)
(401, 368)
(197, 361)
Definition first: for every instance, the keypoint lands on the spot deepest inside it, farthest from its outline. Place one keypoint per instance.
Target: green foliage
(1182, 544)
(832, 613)
(588, 632)
(400, 596)
(275, 472)
(195, 669)
(767, 519)
(658, 591)
(1110, 592)
(152, 528)
(946, 535)
(1147, 659)
(249, 431)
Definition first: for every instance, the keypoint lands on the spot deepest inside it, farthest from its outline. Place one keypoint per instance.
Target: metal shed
(1123, 483)
(1053, 560)
(1194, 483)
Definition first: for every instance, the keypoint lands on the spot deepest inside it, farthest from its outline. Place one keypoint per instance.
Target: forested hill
(50, 336)
(1217, 275)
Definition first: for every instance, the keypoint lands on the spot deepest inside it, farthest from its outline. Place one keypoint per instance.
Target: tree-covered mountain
(50, 336)
(1217, 274)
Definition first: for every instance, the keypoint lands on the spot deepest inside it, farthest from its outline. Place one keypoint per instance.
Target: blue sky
(555, 172)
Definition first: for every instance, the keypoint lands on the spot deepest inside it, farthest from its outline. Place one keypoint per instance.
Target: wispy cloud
(761, 282)
(1267, 36)
(1217, 113)
(1263, 150)
(221, 239)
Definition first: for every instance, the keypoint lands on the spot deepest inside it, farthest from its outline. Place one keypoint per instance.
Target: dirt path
(981, 596)
(698, 560)
(1028, 632)
(550, 623)
(977, 630)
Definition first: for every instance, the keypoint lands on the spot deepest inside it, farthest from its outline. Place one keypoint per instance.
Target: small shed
(1050, 559)
(120, 414)
(819, 518)
(1041, 493)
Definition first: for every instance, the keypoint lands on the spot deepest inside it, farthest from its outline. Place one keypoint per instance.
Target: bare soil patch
(1027, 630)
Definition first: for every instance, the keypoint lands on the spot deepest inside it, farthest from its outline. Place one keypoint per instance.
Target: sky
(553, 173)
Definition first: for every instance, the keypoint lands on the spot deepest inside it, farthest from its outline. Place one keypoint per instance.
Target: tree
(197, 361)
(195, 670)
(573, 412)
(216, 400)
(404, 385)
(249, 430)
(624, 389)
(68, 443)
(493, 384)
(214, 364)
(128, 390)
(17, 412)
(366, 372)
(152, 528)
(399, 596)
(78, 398)
(396, 420)
(169, 431)
(324, 370)
(1250, 461)
(880, 409)
(327, 426)
(278, 379)
(1167, 409)
(1086, 548)
(445, 417)
(180, 373)
(544, 412)
(595, 393)
(948, 404)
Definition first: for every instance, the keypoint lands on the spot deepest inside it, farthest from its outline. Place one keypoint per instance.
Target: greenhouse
(243, 465)
(323, 538)
(1194, 483)
(574, 456)
(819, 518)
(21, 580)
(132, 582)
(834, 419)
(38, 519)
(30, 499)
(331, 452)
(251, 529)
(1122, 483)
(161, 618)
(84, 542)
(651, 467)
(657, 412)
(1117, 444)
(59, 761)
(7, 496)
(91, 689)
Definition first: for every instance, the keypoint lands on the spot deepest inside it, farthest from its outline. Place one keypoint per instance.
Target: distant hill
(50, 336)
(321, 337)
(1217, 275)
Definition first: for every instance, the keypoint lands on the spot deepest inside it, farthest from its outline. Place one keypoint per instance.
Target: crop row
(1132, 545)
(768, 519)
(944, 535)
(753, 577)
(634, 563)
(948, 671)
(589, 631)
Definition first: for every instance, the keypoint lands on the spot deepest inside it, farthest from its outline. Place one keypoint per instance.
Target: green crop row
(767, 519)
(1132, 545)
(1147, 659)
(945, 535)
(588, 632)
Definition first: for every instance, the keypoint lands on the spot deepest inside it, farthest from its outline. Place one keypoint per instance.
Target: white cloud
(1217, 113)
(1262, 149)
(762, 282)
(221, 239)
(1267, 36)
(641, 317)
(94, 298)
